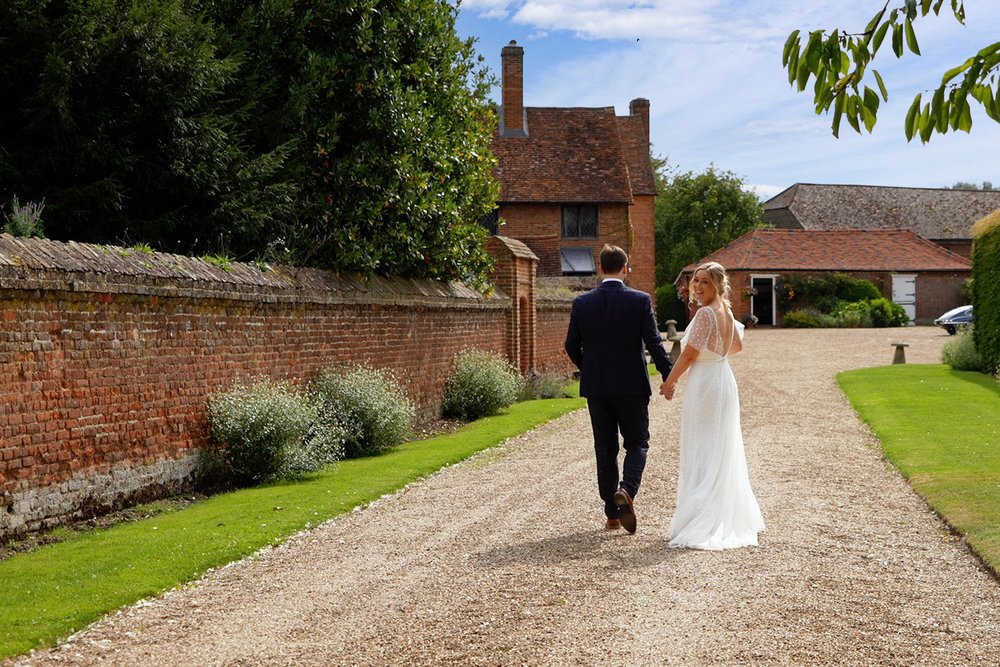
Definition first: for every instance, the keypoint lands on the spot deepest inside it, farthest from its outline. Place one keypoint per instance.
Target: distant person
(610, 330)
(716, 507)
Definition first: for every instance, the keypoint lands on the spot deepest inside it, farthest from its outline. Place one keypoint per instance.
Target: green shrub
(886, 313)
(480, 385)
(268, 430)
(828, 304)
(823, 292)
(800, 319)
(368, 404)
(670, 306)
(24, 220)
(854, 315)
(848, 288)
(960, 352)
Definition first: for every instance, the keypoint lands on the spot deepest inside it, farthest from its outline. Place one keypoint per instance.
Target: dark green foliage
(826, 293)
(696, 214)
(986, 289)
(886, 313)
(368, 404)
(670, 306)
(115, 114)
(346, 135)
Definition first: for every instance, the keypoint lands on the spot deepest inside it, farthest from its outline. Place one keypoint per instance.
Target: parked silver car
(955, 319)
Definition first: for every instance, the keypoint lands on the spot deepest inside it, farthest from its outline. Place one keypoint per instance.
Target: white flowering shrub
(268, 430)
(481, 384)
(371, 408)
(960, 353)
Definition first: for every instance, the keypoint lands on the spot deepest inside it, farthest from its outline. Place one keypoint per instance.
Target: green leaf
(845, 63)
(955, 71)
(871, 100)
(838, 112)
(793, 65)
(910, 125)
(926, 126)
(897, 40)
(802, 76)
(868, 117)
(880, 35)
(853, 112)
(911, 37)
(925, 6)
(791, 43)
(881, 85)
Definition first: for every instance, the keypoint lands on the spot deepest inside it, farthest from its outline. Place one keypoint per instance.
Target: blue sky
(711, 70)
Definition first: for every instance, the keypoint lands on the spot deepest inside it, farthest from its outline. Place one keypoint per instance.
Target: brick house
(941, 215)
(920, 275)
(573, 179)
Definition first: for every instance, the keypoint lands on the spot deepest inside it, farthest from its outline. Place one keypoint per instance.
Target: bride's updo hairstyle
(718, 276)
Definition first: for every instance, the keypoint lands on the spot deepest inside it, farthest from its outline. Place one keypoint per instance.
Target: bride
(716, 507)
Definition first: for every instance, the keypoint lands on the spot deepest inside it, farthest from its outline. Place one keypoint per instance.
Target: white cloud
(718, 94)
(618, 19)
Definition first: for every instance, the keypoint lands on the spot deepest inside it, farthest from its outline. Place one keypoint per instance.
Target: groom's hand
(667, 390)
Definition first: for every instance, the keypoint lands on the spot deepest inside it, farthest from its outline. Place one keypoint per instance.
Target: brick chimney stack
(640, 107)
(512, 94)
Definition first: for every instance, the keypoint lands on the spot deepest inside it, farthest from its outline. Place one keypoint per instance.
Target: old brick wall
(108, 357)
(553, 319)
(938, 293)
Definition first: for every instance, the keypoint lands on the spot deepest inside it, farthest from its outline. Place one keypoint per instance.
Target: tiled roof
(934, 213)
(568, 155)
(841, 250)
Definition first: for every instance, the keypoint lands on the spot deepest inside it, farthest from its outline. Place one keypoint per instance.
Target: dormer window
(579, 222)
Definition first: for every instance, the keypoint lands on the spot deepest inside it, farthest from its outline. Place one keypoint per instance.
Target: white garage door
(904, 292)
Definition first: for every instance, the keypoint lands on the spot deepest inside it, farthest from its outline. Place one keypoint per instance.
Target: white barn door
(904, 292)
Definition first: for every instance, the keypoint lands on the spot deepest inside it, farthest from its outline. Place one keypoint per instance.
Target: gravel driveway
(503, 560)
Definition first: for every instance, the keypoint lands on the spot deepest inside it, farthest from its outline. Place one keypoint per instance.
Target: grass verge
(47, 594)
(941, 429)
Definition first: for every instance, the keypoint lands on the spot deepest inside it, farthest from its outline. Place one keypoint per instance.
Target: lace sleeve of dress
(701, 330)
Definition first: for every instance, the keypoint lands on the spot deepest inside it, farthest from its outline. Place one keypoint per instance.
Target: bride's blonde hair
(719, 278)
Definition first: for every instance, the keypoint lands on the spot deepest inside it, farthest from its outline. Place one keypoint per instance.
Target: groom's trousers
(610, 415)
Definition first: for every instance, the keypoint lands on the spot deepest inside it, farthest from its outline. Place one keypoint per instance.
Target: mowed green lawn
(941, 429)
(47, 594)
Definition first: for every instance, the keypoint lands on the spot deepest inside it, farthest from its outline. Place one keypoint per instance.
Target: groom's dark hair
(613, 260)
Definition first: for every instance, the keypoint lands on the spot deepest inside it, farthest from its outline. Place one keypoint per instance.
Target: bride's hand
(667, 390)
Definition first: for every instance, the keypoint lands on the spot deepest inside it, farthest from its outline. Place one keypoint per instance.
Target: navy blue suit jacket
(610, 329)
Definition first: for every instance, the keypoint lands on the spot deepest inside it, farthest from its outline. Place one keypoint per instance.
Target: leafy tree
(840, 60)
(350, 135)
(114, 114)
(397, 134)
(697, 214)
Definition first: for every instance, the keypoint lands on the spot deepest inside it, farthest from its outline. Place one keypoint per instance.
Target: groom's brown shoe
(627, 517)
(613, 524)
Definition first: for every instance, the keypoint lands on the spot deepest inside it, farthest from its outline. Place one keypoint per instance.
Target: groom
(610, 329)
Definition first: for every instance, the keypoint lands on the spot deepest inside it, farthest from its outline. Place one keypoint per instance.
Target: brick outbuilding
(920, 275)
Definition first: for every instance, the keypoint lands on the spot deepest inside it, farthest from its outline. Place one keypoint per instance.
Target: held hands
(667, 390)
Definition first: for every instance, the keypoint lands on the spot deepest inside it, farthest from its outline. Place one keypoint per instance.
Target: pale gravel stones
(502, 560)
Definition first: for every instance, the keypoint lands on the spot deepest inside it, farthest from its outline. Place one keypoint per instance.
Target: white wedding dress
(716, 507)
